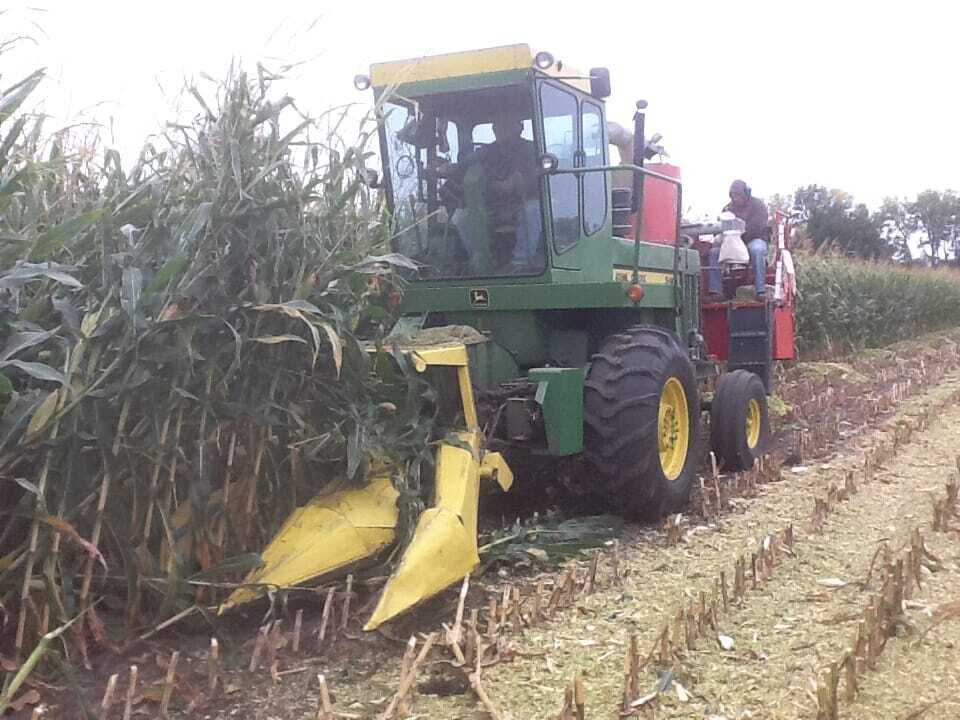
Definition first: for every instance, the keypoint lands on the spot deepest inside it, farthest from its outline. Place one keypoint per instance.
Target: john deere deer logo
(480, 297)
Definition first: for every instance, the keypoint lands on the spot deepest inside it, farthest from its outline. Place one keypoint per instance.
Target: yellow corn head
(337, 530)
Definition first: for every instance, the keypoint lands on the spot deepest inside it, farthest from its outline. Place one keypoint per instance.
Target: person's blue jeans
(758, 259)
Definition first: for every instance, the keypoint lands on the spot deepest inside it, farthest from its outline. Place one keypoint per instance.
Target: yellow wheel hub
(673, 429)
(753, 424)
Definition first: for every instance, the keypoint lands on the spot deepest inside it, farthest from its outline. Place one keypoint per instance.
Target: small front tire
(739, 420)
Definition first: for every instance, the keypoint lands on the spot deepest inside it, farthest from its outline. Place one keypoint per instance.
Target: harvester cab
(559, 290)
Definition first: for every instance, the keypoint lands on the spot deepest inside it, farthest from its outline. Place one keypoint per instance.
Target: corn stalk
(847, 304)
(208, 305)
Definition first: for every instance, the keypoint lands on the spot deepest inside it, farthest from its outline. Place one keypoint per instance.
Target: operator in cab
(754, 214)
(511, 191)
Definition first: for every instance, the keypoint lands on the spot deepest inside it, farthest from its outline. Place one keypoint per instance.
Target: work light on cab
(543, 60)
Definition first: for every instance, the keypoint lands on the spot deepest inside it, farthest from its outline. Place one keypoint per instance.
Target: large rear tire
(739, 420)
(641, 421)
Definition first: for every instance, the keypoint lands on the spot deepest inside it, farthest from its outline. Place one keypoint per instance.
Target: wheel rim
(673, 429)
(753, 424)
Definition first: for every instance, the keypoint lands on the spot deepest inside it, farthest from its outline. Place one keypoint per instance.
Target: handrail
(678, 299)
(609, 168)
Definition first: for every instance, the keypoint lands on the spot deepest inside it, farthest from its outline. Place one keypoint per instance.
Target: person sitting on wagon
(754, 214)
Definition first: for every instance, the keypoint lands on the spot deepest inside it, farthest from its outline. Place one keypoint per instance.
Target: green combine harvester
(558, 308)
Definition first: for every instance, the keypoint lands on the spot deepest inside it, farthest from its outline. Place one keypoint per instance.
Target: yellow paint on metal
(466, 395)
(570, 76)
(444, 545)
(469, 62)
(443, 552)
(673, 429)
(327, 534)
(458, 478)
(753, 423)
(451, 356)
(436, 67)
(494, 467)
(645, 277)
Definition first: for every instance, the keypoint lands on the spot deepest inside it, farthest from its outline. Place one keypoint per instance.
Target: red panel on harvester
(659, 205)
(714, 317)
(784, 344)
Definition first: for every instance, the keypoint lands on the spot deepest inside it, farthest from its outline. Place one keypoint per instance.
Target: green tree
(833, 222)
(896, 227)
(935, 217)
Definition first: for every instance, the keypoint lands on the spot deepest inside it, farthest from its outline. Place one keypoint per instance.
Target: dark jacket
(501, 160)
(754, 215)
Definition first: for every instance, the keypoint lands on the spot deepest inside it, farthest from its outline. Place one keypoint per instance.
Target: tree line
(924, 230)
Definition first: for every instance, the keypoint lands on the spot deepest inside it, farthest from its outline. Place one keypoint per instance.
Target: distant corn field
(846, 305)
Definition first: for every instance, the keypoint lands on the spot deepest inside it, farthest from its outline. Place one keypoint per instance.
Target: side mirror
(549, 163)
(600, 82)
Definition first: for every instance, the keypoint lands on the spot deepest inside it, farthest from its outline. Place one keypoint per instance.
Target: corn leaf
(17, 342)
(42, 417)
(24, 272)
(276, 339)
(12, 98)
(57, 237)
(37, 370)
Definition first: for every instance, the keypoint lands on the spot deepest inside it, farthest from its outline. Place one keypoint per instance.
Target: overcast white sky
(858, 96)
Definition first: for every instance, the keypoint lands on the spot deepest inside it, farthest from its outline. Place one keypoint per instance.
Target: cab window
(483, 133)
(560, 137)
(465, 201)
(594, 155)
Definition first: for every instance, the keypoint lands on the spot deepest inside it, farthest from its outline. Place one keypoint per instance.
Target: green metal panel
(518, 333)
(653, 255)
(560, 394)
(556, 288)
(567, 347)
(491, 365)
(531, 296)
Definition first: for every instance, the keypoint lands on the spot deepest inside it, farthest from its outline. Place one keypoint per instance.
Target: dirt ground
(789, 628)
(792, 625)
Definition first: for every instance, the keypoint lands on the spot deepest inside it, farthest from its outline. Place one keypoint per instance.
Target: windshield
(464, 183)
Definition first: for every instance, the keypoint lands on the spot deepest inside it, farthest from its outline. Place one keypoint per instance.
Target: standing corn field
(848, 304)
(180, 362)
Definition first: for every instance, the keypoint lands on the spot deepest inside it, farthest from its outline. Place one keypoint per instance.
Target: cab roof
(433, 73)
